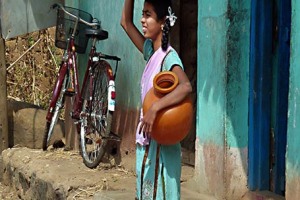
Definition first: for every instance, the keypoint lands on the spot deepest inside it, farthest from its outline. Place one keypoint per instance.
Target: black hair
(161, 10)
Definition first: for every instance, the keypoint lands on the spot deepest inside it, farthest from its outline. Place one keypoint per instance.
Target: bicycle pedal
(78, 120)
(70, 92)
(113, 136)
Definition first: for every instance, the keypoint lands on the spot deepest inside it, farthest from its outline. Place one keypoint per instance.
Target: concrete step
(262, 195)
(59, 174)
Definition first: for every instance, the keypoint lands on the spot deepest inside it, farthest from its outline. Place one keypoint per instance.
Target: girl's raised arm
(127, 23)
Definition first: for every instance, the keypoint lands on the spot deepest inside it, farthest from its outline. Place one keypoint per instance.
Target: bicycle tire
(49, 127)
(96, 119)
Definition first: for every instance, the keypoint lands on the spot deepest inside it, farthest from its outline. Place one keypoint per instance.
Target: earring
(162, 27)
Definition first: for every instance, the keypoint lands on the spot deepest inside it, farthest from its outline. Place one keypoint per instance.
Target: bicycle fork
(57, 90)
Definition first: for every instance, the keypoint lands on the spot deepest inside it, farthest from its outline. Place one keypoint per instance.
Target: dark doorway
(184, 40)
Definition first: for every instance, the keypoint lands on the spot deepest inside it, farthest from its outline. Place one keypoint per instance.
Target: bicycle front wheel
(58, 105)
(96, 118)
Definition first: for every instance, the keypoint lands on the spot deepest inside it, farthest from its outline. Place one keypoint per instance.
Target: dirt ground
(80, 181)
(6, 193)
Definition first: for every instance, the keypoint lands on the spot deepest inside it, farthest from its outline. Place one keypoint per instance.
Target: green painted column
(223, 88)
(293, 135)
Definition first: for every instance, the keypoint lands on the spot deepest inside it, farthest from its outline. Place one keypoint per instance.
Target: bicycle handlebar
(104, 56)
(74, 16)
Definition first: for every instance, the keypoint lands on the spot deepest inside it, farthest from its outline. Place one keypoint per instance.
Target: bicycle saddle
(98, 33)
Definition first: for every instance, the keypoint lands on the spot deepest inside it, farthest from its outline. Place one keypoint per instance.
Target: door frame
(260, 80)
(270, 31)
(280, 129)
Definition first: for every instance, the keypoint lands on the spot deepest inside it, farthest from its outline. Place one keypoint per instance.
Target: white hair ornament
(171, 17)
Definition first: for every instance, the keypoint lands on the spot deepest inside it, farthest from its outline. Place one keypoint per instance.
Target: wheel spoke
(96, 120)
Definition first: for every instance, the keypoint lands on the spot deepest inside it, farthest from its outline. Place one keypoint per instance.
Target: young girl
(158, 167)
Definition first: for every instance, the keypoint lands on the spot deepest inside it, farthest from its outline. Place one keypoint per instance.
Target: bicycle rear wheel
(50, 124)
(96, 119)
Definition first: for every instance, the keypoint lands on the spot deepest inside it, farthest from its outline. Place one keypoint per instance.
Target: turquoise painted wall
(293, 138)
(212, 33)
(222, 95)
(130, 68)
(238, 43)
(118, 43)
(72, 3)
(223, 66)
(132, 63)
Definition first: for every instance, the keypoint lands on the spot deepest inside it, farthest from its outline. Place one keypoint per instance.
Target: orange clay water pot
(173, 123)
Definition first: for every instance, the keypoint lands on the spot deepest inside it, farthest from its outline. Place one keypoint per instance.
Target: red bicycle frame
(69, 65)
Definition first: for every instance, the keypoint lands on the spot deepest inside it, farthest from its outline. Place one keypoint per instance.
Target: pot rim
(165, 76)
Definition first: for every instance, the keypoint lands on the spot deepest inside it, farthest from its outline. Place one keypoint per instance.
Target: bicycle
(94, 104)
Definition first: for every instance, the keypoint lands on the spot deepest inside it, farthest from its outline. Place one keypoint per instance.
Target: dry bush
(32, 64)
